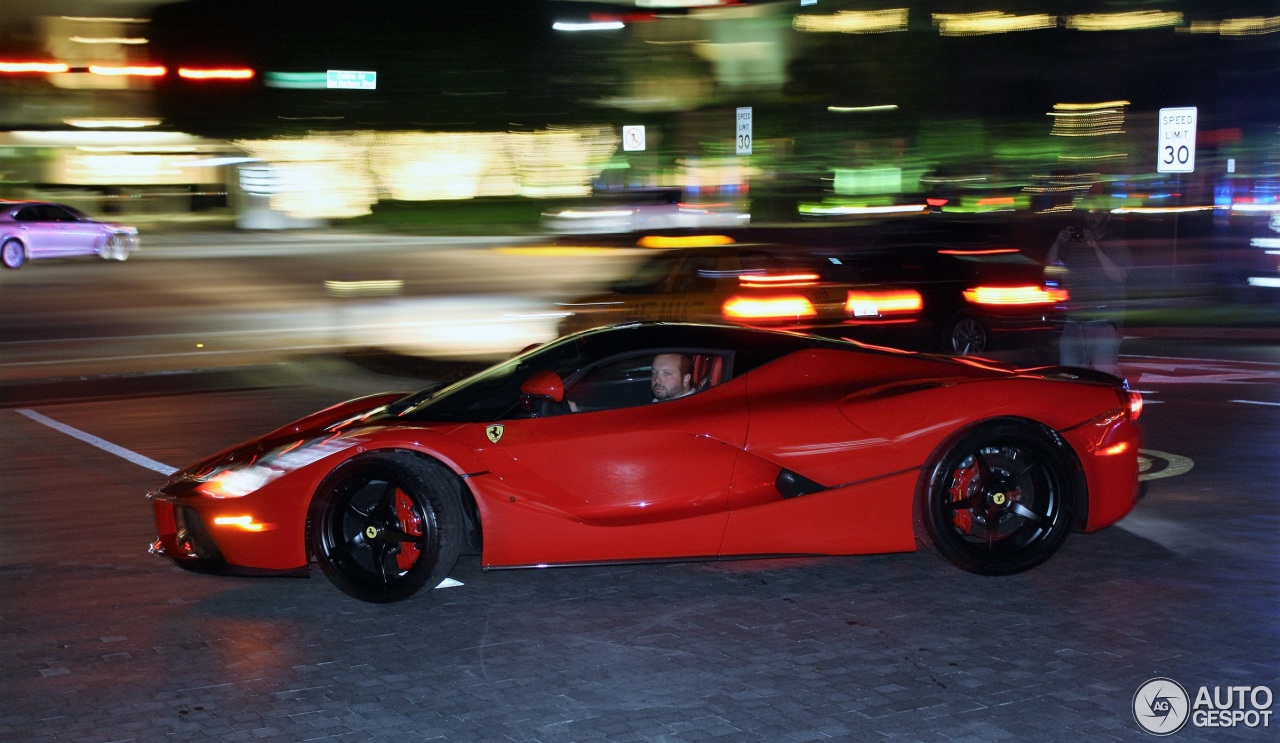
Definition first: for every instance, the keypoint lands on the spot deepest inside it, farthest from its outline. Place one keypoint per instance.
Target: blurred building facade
(857, 106)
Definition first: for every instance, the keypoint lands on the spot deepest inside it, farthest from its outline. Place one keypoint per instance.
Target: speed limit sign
(743, 131)
(1176, 148)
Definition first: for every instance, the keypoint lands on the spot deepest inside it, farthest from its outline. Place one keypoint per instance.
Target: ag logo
(494, 432)
(1161, 706)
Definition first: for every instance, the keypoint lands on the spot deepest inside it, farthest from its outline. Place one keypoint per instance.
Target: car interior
(624, 382)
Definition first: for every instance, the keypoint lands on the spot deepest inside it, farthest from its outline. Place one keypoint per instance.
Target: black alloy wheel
(383, 525)
(1000, 499)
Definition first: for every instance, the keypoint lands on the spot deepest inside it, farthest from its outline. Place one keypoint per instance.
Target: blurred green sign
(352, 79)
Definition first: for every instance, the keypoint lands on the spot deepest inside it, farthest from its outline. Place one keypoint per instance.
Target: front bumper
(191, 538)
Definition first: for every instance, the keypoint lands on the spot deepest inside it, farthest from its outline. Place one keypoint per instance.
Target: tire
(999, 500)
(966, 336)
(383, 525)
(13, 254)
(115, 249)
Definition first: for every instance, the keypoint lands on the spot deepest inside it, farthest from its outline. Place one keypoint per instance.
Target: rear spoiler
(1074, 373)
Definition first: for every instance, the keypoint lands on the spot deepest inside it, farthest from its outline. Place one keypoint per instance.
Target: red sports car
(776, 444)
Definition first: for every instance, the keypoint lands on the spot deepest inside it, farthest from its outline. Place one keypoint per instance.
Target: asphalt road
(102, 642)
(200, 301)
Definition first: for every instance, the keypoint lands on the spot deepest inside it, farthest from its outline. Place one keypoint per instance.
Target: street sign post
(1176, 145)
(744, 131)
(632, 138)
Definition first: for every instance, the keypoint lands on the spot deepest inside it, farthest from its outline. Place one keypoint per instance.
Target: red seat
(708, 370)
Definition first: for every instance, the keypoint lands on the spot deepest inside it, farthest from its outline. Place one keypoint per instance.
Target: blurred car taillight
(768, 308)
(777, 279)
(880, 303)
(1135, 405)
(1014, 295)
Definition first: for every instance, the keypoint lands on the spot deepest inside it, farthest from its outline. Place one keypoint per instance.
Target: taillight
(768, 308)
(1135, 404)
(1014, 295)
(778, 279)
(876, 304)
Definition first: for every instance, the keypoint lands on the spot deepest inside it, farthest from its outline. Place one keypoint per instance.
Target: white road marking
(1175, 466)
(1257, 402)
(134, 457)
(1160, 370)
(102, 444)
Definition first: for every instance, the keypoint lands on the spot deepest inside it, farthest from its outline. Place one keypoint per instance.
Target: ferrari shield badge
(494, 432)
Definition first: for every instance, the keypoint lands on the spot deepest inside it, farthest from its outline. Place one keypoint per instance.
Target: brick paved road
(100, 642)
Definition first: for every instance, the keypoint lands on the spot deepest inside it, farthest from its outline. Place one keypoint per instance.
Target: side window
(621, 383)
(626, 382)
(650, 277)
(28, 214)
(697, 274)
(57, 214)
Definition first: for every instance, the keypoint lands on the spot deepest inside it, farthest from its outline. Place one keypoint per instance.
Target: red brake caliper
(411, 524)
(961, 480)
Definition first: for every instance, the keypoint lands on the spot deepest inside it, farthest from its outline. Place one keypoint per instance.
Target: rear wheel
(966, 336)
(999, 500)
(383, 525)
(13, 254)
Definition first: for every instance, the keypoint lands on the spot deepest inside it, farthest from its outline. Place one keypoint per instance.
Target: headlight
(238, 479)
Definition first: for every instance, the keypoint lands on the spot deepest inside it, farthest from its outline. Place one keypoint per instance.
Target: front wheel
(999, 500)
(116, 248)
(13, 254)
(383, 525)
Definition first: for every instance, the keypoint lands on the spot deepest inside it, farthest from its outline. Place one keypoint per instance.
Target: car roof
(634, 335)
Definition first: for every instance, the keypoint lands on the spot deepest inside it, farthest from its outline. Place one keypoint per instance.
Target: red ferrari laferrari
(785, 444)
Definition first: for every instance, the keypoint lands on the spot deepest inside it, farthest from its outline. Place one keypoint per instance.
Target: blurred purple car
(41, 229)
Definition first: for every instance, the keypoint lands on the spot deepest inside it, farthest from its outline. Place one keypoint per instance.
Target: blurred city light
(1088, 120)
(33, 67)
(1236, 26)
(669, 65)
(1129, 21)
(343, 175)
(127, 70)
(238, 73)
(854, 21)
(588, 26)
(112, 123)
(990, 22)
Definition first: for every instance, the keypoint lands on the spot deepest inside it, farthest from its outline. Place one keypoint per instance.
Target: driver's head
(672, 376)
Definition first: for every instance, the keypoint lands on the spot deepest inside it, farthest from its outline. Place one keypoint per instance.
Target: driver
(672, 376)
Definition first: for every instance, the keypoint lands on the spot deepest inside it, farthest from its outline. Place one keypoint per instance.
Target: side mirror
(544, 384)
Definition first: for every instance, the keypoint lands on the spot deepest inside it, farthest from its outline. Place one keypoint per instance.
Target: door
(623, 478)
(76, 235)
(41, 231)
